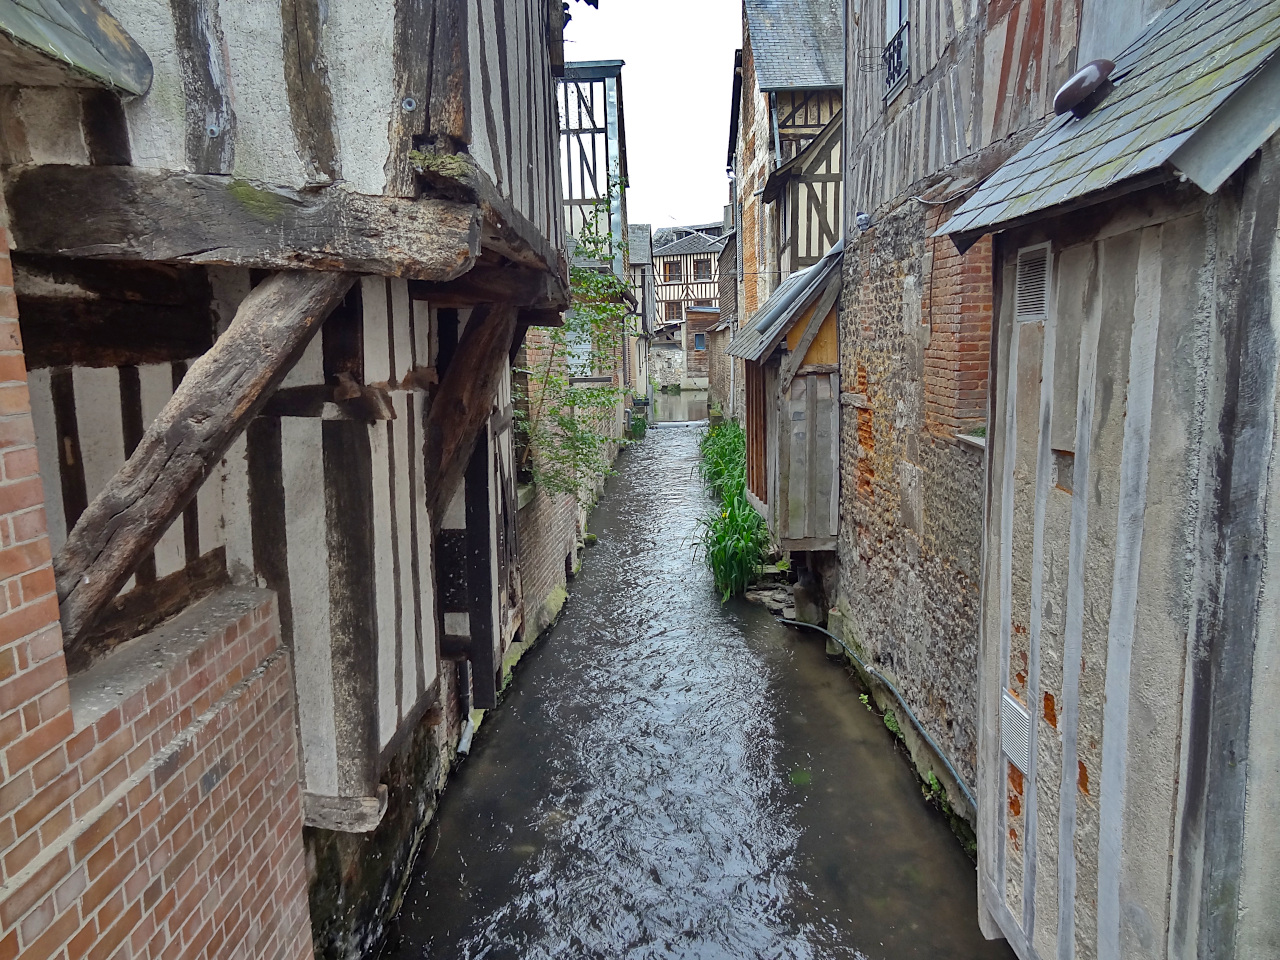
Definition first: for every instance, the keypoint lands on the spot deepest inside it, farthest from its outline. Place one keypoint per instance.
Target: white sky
(675, 98)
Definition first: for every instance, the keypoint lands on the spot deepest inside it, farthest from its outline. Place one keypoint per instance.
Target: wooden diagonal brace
(464, 402)
(220, 394)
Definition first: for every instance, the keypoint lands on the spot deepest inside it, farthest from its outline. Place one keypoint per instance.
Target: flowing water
(674, 777)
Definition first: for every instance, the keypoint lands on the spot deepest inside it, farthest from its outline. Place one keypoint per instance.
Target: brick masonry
(168, 825)
(914, 331)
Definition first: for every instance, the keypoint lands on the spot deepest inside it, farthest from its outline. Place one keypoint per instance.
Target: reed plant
(733, 538)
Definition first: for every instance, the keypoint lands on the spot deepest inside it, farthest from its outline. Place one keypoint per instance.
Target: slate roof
(694, 243)
(1168, 83)
(82, 35)
(793, 296)
(640, 243)
(796, 44)
(665, 235)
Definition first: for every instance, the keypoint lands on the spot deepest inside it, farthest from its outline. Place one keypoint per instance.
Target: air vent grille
(1015, 732)
(1031, 299)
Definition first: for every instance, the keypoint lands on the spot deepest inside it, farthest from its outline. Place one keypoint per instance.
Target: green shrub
(734, 538)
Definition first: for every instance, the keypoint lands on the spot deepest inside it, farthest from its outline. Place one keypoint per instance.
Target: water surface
(673, 777)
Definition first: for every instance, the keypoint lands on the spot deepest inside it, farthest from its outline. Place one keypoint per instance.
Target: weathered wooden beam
(220, 394)
(487, 283)
(127, 213)
(505, 230)
(464, 402)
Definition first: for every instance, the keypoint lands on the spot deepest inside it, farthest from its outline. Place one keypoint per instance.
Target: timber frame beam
(127, 213)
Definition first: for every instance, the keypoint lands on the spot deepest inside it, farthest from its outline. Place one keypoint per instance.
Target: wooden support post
(464, 402)
(220, 394)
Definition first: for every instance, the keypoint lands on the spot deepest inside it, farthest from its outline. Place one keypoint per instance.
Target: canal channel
(675, 777)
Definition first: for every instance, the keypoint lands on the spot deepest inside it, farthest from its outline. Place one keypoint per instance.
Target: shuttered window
(1031, 293)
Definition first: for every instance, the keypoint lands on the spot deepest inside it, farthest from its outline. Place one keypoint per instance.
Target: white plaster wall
(305, 529)
(481, 150)
(51, 121)
(157, 122)
(358, 42)
(266, 147)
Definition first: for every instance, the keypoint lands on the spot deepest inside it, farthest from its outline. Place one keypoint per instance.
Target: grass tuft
(734, 539)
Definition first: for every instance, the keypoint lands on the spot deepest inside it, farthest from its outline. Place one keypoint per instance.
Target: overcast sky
(675, 98)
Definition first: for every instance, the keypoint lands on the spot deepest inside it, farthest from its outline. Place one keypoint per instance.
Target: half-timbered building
(687, 278)
(785, 153)
(269, 273)
(1127, 657)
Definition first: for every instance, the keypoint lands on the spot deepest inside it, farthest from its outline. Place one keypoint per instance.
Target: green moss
(451, 166)
(263, 204)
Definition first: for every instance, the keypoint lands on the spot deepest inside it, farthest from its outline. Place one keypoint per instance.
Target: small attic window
(1031, 295)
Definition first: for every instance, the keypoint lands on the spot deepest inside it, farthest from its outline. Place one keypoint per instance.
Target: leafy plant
(864, 700)
(891, 721)
(734, 539)
(567, 405)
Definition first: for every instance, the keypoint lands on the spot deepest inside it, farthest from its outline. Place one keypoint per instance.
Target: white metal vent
(1015, 731)
(1031, 297)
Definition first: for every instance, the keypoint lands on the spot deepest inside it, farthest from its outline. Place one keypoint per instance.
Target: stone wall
(720, 366)
(914, 330)
(548, 527)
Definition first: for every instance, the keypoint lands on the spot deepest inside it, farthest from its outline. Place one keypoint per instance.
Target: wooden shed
(791, 358)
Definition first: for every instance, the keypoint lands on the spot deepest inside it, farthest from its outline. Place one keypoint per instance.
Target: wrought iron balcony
(897, 64)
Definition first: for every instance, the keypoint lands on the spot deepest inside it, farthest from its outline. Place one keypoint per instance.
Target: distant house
(687, 272)
(785, 152)
(687, 276)
(640, 257)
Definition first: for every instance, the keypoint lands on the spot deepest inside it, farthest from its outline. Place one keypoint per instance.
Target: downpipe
(915, 721)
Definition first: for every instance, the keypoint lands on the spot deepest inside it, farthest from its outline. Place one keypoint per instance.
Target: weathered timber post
(464, 403)
(221, 393)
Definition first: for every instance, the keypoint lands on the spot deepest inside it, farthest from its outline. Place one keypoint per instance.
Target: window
(703, 303)
(671, 271)
(702, 269)
(673, 309)
(699, 341)
(895, 59)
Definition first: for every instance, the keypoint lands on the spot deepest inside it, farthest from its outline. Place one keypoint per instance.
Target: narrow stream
(674, 777)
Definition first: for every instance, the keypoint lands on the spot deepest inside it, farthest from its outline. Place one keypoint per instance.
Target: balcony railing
(897, 64)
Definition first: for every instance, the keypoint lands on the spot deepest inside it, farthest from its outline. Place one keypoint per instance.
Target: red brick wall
(171, 824)
(957, 302)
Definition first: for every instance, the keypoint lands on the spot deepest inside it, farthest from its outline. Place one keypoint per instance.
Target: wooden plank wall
(808, 510)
